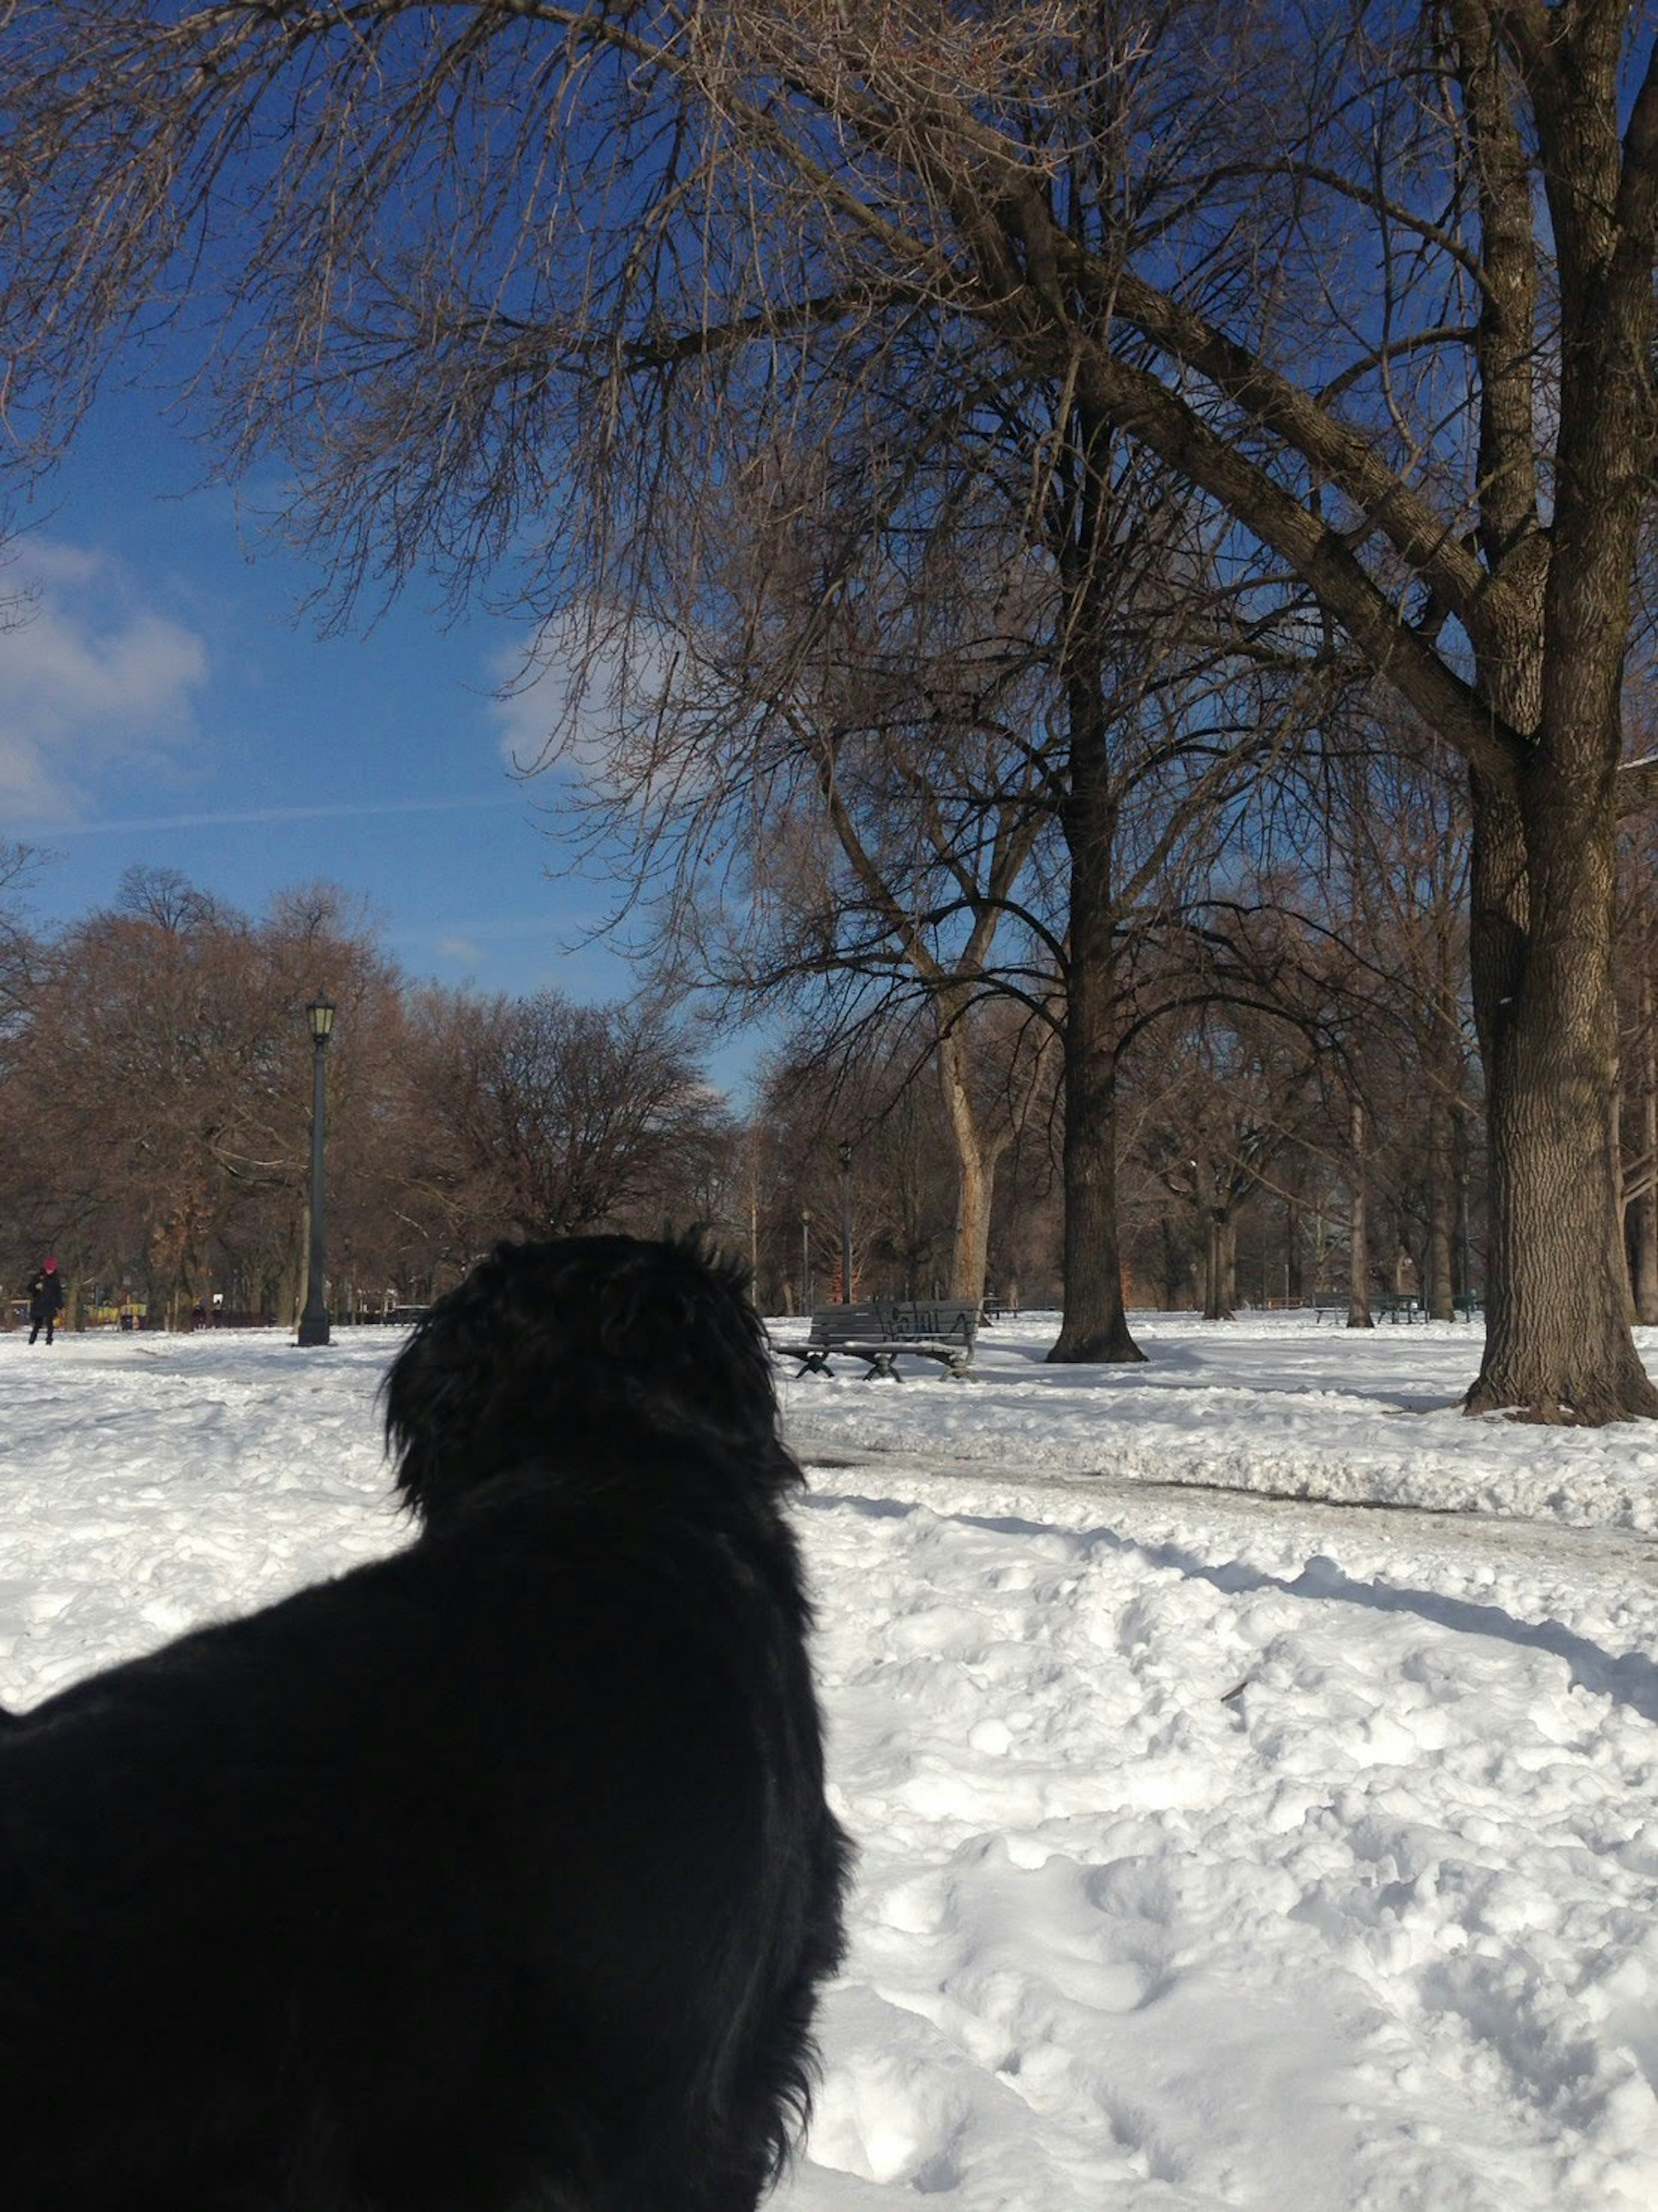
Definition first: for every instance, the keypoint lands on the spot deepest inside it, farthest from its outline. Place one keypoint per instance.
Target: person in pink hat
(45, 1301)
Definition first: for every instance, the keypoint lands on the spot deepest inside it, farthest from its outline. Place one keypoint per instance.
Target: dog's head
(547, 1347)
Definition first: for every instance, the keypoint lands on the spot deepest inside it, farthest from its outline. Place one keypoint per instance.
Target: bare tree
(1404, 879)
(1223, 1093)
(556, 1119)
(939, 757)
(156, 1091)
(165, 1053)
(863, 761)
(1357, 932)
(900, 1186)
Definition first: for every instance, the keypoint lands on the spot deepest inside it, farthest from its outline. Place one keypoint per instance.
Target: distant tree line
(154, 1086)
(1304, 1119)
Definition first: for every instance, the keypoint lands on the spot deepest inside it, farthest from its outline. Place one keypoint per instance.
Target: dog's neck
(620, 1448)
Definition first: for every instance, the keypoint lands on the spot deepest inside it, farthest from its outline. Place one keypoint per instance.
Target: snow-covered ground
(1217, 1848)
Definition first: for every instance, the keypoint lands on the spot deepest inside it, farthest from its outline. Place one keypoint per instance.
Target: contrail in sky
(264, 816)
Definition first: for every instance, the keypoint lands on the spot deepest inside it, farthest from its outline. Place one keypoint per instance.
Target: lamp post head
(321, 1015)
(844, 1150)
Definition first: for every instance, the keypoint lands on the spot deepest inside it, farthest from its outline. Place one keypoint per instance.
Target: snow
(1252, 1761)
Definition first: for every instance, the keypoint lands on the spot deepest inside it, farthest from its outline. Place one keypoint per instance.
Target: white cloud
(546, 714)
(90, 678)
(593, 712)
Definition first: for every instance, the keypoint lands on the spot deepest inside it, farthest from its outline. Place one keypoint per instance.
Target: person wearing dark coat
(45, 1301)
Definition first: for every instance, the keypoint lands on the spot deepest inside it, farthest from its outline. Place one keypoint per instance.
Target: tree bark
(1220, 1268)
(1094, 1325)
(1557, 1342)
(1550, 656)
(975, 1170)
(1644, 1206)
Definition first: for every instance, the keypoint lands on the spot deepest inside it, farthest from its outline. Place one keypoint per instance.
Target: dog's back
(495, 1874)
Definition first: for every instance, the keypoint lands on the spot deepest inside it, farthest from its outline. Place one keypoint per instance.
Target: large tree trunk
(1220, 1268)
(1642, 1220)
(1095, 1319)
(1558, 1341)
(1551, 659)
(975, 1169)
(1095, 1326)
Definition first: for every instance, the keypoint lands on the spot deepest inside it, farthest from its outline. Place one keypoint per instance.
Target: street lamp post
(313, 1321)
(806, 1259)
(845, 1223)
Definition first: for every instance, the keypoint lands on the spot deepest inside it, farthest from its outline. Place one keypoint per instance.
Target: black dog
(494, 1877)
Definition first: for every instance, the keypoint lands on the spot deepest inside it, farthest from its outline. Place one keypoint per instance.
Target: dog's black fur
(494, 1877)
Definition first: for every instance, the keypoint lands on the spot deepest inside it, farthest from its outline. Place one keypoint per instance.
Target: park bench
(1385, 1305)
(882, 1331)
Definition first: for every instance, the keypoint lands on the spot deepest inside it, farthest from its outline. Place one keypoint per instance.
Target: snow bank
(1271, 1404)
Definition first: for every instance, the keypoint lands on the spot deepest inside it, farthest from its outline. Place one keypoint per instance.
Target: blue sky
(165, 704)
